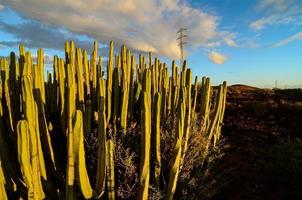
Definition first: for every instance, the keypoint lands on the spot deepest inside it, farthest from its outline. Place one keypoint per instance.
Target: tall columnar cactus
(88, 101)
(40, 63)
(9, 164)
(28, 60)
(40, 151)
(176, 160)
(86, 73)
(5, 81)
(55, 86)
(93, 69)
(156, 138)
(15, 81)
(102, 149)
(145, 137)
(70, 147)
(35, 154)
(217, 133)
(62, 82)
(205, 103)
(175, 87)
(62, 110)
(216, 113)
(24, 156)
(169, 98)
(110, 176)
(125, 86)
(187, 123)
(131, 87)
(21, 59)
(41, 123)
(79, 156)
(100, 68)
(109, 80)
(80, 81)
(166, 98)
(195, 92)
(116, 94)
(3, 194)
(145, 147)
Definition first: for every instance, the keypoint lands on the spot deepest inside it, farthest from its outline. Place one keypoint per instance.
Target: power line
(181, 43)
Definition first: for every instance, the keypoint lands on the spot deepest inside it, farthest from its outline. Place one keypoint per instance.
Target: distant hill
(242, 88)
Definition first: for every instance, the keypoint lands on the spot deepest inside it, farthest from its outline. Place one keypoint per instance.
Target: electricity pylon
(181, 43)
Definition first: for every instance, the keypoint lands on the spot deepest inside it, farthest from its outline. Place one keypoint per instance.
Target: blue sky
(254, 42)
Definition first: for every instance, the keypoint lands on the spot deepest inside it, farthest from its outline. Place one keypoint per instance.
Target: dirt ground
(262, 154)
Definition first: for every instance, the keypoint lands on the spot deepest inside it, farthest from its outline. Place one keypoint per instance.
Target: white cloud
(2, 7)
(141, 25)
(297, 36)
(217, 58)
(230, 42)
(2, 46)
(274, 19)
(277, 12)
(275, 4)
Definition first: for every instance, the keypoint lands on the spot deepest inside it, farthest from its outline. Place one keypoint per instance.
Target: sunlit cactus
(102, 139)
(109, 81)
(79, 156)
(36, 157)
(145, 146)
(80, 81)
(3, 194)
(206, 90)
(125, 57)
(194, 100)
(145, 137)
(46, 125)
(71, 96)
(187, 122)
(24, 156)
(176, 160)
(156, 138)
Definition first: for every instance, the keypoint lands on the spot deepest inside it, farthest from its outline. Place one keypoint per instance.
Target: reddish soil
(255, 122)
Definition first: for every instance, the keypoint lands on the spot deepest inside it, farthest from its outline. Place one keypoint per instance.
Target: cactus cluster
(34, 113)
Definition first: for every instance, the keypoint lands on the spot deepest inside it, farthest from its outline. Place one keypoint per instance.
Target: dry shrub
(127, 160)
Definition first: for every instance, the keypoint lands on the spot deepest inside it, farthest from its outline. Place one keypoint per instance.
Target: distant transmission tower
(276, 84)
(181, 43)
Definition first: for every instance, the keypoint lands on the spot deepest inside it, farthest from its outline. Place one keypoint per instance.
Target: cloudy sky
(251, 42)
